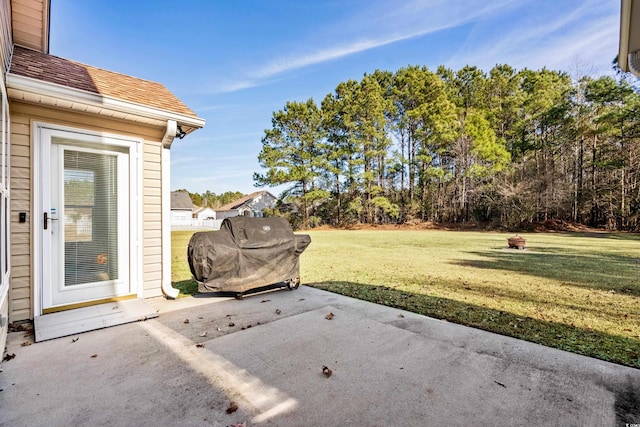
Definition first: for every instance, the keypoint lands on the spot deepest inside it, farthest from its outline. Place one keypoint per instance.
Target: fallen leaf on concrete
(199, 345)
(265, 300)
(244, 424)
(94, 355)
(278, 311)
(20, 327)
(329, 316)
(204, 334)
(8, 357)
(326, 371)
(500, 384)
(233, 407)
(26, 343)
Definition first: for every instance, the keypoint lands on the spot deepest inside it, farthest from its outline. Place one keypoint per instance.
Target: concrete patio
(266, 354)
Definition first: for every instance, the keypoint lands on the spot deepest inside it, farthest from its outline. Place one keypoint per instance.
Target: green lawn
(577, 292)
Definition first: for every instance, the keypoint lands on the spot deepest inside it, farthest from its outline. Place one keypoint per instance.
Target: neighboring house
(251, 205)
(205, 218)
(629, 47)
(181, 208)
(84, 177)
(203, 213)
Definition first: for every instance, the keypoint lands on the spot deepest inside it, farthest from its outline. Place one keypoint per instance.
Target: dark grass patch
(186, 287)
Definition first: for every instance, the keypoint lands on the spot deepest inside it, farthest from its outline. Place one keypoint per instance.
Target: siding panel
(23, 282)
(20, 304)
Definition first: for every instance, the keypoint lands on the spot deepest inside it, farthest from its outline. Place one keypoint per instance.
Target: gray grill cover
(246, 253)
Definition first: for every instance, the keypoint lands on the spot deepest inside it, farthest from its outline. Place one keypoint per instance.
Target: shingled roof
(241, 201)
(181, 201)
(64, 72)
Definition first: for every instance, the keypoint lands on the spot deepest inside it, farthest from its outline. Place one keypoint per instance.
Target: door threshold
(70, 322)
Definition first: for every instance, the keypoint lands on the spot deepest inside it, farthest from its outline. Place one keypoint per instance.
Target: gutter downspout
(168, 291)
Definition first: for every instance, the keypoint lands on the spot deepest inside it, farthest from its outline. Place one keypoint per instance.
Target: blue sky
(236, 62)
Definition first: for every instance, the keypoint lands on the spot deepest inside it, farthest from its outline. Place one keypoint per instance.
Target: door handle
(46, 220)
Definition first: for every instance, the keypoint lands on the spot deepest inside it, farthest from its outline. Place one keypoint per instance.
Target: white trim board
(70, 322)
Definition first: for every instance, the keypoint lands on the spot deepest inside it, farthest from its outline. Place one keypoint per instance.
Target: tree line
(212, 200)
(508, 147)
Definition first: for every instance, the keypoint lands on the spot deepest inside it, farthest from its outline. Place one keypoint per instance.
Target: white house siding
(22, 116)
(204, 214)
(262, 202)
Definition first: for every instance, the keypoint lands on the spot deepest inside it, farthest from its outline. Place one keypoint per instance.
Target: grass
(578, 292)
(181, 277)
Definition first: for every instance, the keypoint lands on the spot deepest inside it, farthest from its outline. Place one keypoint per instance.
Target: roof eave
(629, 46)
(33, 90)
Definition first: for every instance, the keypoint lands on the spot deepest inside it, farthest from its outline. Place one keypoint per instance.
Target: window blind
(90, 217)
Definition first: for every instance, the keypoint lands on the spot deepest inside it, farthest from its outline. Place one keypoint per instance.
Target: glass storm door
(85, 220)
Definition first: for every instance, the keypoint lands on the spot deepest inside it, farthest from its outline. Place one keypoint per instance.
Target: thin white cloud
(225, 137)
(223, 176)
(234, 86)
(415, 19)
(209, 108)
(240, 135)
(184, 160)
(596, 44)
(556, 43)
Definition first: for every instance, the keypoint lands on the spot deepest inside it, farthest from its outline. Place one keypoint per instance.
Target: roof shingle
(241, 201)
(53, 69)
(180, 200)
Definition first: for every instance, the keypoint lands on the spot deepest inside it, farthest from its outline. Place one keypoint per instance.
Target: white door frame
(39, 167)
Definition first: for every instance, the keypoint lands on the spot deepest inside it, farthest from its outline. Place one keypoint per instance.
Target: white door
(86, 205)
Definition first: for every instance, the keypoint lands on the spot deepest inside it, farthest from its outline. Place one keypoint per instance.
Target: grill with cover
(247, 254)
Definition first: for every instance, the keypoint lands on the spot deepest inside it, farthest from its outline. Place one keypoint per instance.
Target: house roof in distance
(181, 201)
(64, 72)
(201, 209)
(236, 204)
